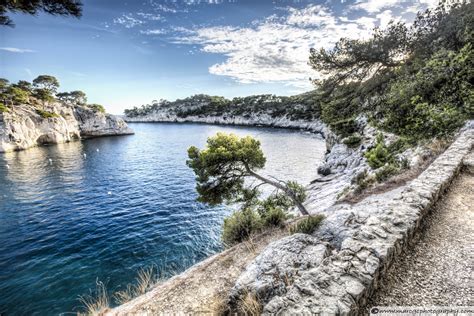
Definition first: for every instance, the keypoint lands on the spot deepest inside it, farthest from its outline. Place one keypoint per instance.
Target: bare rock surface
(275, 268)
(23, 127)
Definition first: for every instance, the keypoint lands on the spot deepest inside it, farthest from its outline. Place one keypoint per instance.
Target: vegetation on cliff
(415, 81)
(299, 107)
(38, 94)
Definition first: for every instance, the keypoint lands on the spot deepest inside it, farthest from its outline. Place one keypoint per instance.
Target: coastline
(386, 243)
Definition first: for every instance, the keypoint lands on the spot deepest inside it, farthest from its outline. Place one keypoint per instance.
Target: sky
(128, 53)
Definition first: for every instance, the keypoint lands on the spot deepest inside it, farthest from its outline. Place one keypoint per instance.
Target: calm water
(101, 209)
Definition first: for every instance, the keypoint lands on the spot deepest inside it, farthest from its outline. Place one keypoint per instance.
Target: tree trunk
(282, 187)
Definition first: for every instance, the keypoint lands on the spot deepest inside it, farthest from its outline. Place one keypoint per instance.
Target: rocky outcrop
(267, 277)
(23, 126)
(365, 236)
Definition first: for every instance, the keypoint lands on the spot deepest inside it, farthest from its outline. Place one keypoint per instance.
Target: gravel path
(438, 270)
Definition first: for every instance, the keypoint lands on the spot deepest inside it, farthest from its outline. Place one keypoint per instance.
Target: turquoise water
(103, 208)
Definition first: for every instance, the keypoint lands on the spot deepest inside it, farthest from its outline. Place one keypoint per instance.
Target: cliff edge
(23, 126)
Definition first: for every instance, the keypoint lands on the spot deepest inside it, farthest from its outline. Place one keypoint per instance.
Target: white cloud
(128, 21)
(17, 50)
(275, 49)
(153, 32)
(385, 17)
(150, 16)
(374, 6)
(377, 6)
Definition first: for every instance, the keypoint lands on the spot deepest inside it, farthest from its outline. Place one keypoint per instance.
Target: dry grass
(438, 146)
(250, 305)
(251, 245)
(218, 306)
(97, 303)
(144, 281)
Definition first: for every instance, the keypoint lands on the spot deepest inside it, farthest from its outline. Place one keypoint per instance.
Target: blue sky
(127, 53)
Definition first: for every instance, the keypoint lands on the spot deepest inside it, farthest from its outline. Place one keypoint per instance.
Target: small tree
(24, 85)
(222, 167)
(17, 95)
(43, 95)
(74, 97)
(46, 82)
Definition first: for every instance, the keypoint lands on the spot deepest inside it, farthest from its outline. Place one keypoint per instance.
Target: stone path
(439, 269)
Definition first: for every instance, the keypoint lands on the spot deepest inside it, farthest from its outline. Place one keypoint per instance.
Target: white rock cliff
(23, 127)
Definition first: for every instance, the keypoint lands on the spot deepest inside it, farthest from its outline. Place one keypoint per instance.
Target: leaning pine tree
(223, 166)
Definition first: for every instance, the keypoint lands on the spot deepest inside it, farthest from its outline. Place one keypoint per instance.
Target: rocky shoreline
(357, 242)
(23, 126)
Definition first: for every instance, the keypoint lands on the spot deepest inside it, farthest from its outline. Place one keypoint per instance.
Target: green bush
(46, 114)
(386, 172)
(307, 225)
(97, 107)
(3, 108)
(240, 225)
(379, 155)
(43, 95)
(352, 140)
(17, 95)
(274, 216)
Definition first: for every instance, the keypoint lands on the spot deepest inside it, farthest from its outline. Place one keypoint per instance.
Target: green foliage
(307, 225)
(298, 190)
(379, 155)
(240, 225)
(17, 95)
(46, 82)
(304, 106)
(274, 209)
(73, 97)
(33, 7)
(3, 108)
(24, 85)
(415, 81)
(223, 165)
(352, 140)
(46, 114)
(386, 172)
(4, 83)
(97, 107)
(43, 95)
(434, 99)
(274, 217)
(362, 181)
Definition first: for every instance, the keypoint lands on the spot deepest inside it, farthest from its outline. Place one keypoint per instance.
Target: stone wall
(359, 243)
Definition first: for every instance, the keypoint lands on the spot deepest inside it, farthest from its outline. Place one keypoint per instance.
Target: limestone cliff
(24, 126)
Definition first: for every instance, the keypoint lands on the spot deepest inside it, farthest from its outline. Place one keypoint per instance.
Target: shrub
(97, 107)
(386, 172)
(352, 140)
(274, 217)
(379, 155)
(46, 114)
(17, 95)
(307, 225)
(240, 225)
(43, 95)
(3, 108)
